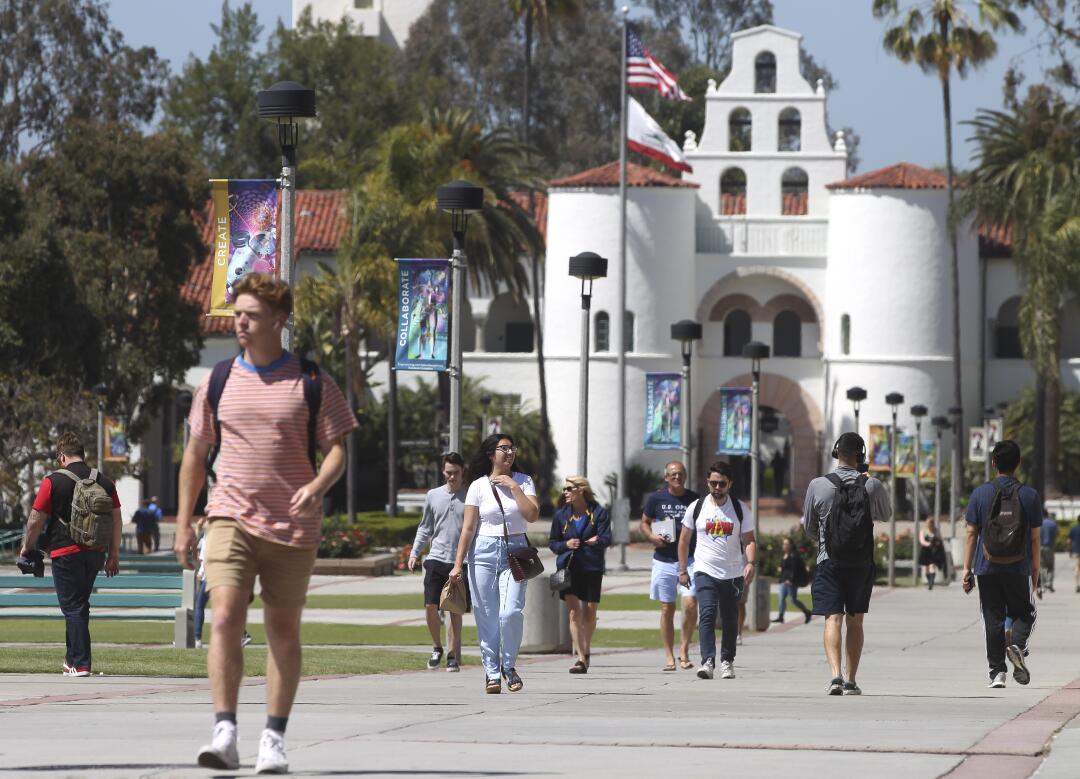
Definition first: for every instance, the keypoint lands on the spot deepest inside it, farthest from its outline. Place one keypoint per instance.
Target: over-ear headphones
(836, 450)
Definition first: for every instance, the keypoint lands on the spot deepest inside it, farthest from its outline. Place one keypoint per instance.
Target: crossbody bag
(524, 561)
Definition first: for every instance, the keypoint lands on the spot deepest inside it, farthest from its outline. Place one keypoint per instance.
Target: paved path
(926, 712)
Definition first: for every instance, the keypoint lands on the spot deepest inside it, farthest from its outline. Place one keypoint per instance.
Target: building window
(363, 4)
(845, 334)
(1007, 344)
(765, 72)
(789, 131)
(733, 192)
(740, 130)
(602, 334)
(787, 335)
(628, 341)
(736, 332)
(794, 189)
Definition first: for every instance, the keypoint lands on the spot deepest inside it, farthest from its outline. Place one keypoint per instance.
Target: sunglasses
(568, 488)
(719, 484)
(506, 449)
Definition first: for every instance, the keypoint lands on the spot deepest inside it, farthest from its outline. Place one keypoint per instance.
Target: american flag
(644, 70)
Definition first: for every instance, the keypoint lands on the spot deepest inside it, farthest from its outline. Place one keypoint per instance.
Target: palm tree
(950, 42)
(539, 12)
(1028, 179)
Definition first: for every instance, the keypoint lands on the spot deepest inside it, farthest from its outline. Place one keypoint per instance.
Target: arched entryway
(801, 424)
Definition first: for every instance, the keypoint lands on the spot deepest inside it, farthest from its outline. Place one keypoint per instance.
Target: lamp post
(101, 390)
(587, 267)
(686, 331)
(285, 102)
(918, 412)
(856, 395)
(894, 399)
(755, 351)
(956, 414)
(459, 199)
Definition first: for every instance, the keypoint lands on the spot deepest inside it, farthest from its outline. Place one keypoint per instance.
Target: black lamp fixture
(459, 198)
(686, 331)
(285, 102)
(588, 266)
(941, 424)
(856, 395)
(918, 411)
(894, 399)
(956, 413)
(755, 351)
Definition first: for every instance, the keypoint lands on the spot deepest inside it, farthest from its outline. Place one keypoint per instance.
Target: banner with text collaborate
(423, 315)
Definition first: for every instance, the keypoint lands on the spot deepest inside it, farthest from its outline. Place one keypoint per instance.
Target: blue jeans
(201, 597)
(73, 576)
(718, 595)
(498, 602)
(788, 590)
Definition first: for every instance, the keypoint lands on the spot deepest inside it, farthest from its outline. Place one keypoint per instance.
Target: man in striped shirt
(265, 509)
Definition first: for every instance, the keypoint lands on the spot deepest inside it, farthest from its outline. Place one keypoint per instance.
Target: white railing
(793, 235)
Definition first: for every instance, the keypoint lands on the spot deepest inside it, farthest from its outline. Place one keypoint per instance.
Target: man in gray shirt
(444, 514)
(843, 589)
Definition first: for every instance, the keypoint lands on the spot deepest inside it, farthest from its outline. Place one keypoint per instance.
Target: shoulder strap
(312, 377)
(93, 474)
(835, 479)
(697, 508)
(69, 474)
(214, 390)
(502, 511)
(738, 510)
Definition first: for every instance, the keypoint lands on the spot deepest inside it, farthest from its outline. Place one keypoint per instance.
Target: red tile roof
(732, 204)
(795, 204)
(903, 175)
(608, 176)
(995, 241)
(540, 208)
(320, 227)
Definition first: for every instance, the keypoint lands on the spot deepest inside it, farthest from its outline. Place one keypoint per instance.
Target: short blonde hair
(270, 290)
(582, 484)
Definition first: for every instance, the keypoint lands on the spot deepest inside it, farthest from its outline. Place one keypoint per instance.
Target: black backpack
(849, 529)
(312, 396)
(1004, 532)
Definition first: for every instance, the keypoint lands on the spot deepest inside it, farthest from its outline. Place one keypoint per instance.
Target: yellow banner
(245, 235)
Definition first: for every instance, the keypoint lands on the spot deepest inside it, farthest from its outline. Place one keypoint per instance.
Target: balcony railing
(795, 235)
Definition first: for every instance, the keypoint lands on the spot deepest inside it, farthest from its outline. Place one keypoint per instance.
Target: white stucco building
(847, 280)
(387, 20)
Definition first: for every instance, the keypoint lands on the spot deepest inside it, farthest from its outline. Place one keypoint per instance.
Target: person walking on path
(792, 575)
(931, 551)
(1001, 555)
(499, 506)
(1074, 552)
(145, 522)
(74, 566)
(580, 532)
(661, 523)
(1048, 534)
(440, 526)
(723, 527)
(155, 509)
(839, 512)
(266, 411)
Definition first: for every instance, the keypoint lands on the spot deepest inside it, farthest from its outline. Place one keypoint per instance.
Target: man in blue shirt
(1074, 552)
(1047, 538)
(1005, 587)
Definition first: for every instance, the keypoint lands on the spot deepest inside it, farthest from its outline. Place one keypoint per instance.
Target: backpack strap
(697, 508)
(738, 509)
(214, 390)
(312, 378)
(93, 474)
(69, 474)
(835, 480)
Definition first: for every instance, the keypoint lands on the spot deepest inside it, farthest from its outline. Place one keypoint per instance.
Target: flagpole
(620, 384)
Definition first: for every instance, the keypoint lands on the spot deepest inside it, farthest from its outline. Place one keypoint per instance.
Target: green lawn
(113, 661)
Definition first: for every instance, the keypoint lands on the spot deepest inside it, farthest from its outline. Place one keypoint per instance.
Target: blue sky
(895, 108)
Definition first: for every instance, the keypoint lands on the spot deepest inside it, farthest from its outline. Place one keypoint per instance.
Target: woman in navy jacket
(580, 532)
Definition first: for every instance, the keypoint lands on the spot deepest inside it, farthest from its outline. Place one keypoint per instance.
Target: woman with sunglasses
(498, 506)
(580, 532)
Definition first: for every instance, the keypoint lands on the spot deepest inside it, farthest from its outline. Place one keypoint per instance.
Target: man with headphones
(839, 513)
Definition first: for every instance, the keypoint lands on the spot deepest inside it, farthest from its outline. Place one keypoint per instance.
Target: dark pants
(156, 533)
(1004, 595)
(74, 576)
(718, 595)
(201, 598)
(789, 590)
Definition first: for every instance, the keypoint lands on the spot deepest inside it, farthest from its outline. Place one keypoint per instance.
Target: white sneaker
(72, 671)
(727, 670)
(221, 752)
(997, 680)
(245, 639)
(738, 640)
(272, 758)
(198, 643)
(706, 670)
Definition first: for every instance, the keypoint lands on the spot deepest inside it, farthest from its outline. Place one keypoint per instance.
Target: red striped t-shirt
(264, 446)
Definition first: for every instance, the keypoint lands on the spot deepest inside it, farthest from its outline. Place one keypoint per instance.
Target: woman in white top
(498, 506)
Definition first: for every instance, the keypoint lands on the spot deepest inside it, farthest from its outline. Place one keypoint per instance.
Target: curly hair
(272, 291)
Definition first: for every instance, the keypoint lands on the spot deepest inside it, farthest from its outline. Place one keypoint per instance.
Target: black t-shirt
(54, 498)
(663, 505)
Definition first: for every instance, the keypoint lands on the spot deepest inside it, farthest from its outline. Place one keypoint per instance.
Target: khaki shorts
(234, 558)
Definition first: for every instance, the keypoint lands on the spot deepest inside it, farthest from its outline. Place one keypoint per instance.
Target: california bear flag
(644, 136)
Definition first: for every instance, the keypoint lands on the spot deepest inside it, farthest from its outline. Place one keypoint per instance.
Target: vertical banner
(995, 431)
(663, 410)
(878, 454)
(928, 462)
(245, 235)
(116, 442)
(735, 421)
(977, 444)
(423, 329)
(905, 455)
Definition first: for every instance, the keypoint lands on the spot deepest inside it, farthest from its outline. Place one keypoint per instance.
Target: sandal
(513, 681)
(493, 686)
(588, 661)
(579, 667)
(669, 667)
(685, 664)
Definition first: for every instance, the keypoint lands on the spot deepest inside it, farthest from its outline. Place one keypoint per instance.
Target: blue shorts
(842, 590)
(665, 582)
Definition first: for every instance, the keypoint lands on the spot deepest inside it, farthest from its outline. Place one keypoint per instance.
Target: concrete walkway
(925, 712)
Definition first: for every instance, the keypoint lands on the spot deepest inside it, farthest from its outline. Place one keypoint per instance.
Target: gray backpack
(91, 520)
